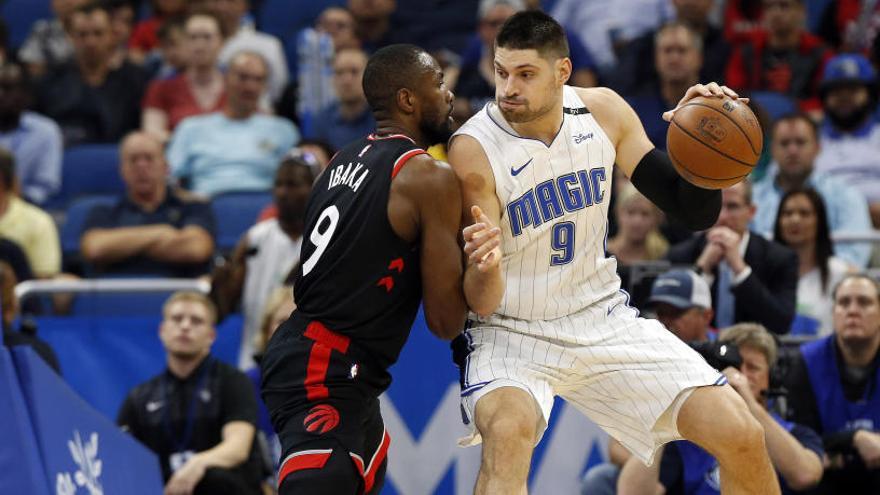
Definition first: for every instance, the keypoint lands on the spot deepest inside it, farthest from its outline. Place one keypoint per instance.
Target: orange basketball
(714, 142)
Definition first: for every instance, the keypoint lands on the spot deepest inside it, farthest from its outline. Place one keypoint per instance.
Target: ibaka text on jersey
(351, 175)
(553, 198)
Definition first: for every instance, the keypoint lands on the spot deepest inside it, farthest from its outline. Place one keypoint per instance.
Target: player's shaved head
(533, 30)
(391, 69)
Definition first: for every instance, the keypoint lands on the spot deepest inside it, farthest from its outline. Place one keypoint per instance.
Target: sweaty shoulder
(607, 108)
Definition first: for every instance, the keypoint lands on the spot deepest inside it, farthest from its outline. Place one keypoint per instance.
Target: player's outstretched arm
(483, 283)
(649, 169)
(433, 188)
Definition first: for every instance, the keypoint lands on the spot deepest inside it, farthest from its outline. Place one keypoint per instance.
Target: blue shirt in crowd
(37, 146)
(332, 127)
(213, 153)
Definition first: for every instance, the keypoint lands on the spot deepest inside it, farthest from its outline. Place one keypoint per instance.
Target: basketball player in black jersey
(381, 234)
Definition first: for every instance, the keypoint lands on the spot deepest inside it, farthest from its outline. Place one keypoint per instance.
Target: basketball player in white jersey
(548, 316)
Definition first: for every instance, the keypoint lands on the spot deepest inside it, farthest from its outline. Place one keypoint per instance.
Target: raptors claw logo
(321, 418)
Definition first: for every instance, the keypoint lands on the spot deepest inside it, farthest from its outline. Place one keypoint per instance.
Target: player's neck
(387, 127)
(544, 128)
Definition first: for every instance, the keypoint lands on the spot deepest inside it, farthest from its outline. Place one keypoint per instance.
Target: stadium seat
(20, 15)
(89, 169)
(775, 104)
(235, 212)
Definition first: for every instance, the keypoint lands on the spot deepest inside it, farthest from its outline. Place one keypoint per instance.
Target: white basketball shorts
(620, 370)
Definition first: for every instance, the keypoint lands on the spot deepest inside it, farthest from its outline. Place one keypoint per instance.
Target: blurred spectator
(850, 135)
(238, 148)
(90, 99)
(199, 415)
(122, 18)
(794, 147)
(33, 139)
(850, 25)
(741, 18)
(677, 60)
(196, 91)
(242, 36)
(47, 45)
(684, 468)
(321, 151)
(26, 225)
(605, 30)
(635, 70)
(782, 57)
(266, 254)
(373, 22)
(638, 237)
(279, 306)
(170, 59)
(152, 230)
(802, 225)
(683, 304)
(26, 334)
(752, 279)
(339, 24)
(833, 389)
(349, 118)
(145, 38)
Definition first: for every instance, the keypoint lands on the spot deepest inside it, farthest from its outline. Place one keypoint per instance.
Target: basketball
(714, 142)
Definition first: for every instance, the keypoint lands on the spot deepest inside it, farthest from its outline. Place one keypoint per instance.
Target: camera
(719, 355)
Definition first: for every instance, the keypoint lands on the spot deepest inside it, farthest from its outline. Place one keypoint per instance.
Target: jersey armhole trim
(401, 161)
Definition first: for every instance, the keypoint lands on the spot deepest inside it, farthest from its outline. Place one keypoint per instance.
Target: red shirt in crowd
(176, 99)
(145, 36)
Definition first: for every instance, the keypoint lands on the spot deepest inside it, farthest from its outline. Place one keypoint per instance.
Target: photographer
(683, 468)
(833, 389)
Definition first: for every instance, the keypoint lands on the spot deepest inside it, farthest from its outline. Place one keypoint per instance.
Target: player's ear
(563, 70)
(406, 100)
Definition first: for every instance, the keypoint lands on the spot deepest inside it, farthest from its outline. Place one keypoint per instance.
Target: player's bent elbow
(806, 477)
(445, 327)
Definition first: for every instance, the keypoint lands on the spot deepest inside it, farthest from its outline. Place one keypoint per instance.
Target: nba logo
(710, 127)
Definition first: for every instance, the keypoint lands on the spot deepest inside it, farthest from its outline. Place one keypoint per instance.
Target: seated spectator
(122, 18)
(635, 69)
(152, 229)
(781, 57)
(683, 468)
(339, 24)
(373, 23)
(680, 300)
(752, 279)
(350, 117)
(266, 254)
(677, 60)
(26, 225)
(33, 139)
(638, 237)
(802, 225)
(741, 18)
(794, 148)
(199, 415)
(26, 334)
(145, 37)
(90, 99)
(849, 25)
(241, 36)
(47, 46)
(850, 134)
(198, 90)
(279, 306)
(833, 389)
(169, 59)
(321, 151)
(236, 149)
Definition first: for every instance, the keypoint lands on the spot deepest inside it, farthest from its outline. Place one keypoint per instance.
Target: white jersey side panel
(554, 202)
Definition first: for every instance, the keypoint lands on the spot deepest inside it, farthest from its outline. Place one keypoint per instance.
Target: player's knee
(510, 430)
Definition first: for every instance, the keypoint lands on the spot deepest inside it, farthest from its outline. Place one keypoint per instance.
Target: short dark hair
(824, 248)
(859, 275)
(533, 29)
(7, 169)
(172, 24)
(389, 70)
(795, 116)
(88, 8)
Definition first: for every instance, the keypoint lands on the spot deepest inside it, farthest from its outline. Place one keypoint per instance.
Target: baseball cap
(846, 69)
(683, 289)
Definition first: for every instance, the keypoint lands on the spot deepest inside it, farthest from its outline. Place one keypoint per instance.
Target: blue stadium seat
(775, 104)
(89, 169)
(235, 212)
(77, 213)
(20, 15)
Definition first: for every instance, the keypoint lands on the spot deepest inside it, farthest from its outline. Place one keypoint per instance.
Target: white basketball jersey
(554, 202)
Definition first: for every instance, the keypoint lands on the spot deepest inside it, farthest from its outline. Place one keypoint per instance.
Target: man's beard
(525, 115)
(437, 133)
(850, 121)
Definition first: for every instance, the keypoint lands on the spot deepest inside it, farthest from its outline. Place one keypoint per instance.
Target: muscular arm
(191, 244)
(233, 449)
(801, 467)
(111, 245)
(483, 289)
(432, 190)
(649, 169)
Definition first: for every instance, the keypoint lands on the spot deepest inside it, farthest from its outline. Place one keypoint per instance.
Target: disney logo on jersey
(553, 198)
(580, 138)
(515, 171)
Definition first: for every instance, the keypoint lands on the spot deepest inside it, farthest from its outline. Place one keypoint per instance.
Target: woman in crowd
(802, 224)
(638, 236)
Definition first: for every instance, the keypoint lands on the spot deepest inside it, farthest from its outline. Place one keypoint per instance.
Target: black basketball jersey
(356, 276)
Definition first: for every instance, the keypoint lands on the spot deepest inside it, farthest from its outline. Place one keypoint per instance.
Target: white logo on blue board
(88, 474)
